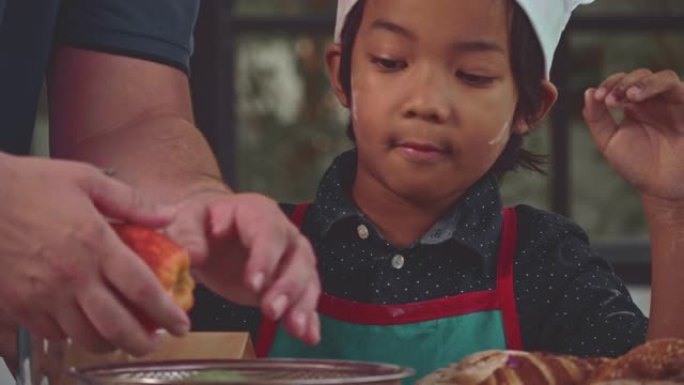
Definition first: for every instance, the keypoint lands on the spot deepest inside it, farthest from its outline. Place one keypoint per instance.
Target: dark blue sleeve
(157, 30)
(569, 299)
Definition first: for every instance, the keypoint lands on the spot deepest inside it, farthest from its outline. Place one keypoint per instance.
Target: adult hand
(647, 146)
(63, 270)
(244, 248)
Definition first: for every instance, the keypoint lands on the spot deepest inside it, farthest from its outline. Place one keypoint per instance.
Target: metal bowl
(259, 371)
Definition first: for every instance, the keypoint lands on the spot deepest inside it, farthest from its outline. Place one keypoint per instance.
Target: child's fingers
(607, 85)
(656, 84)
(617, 96)
(598, 118)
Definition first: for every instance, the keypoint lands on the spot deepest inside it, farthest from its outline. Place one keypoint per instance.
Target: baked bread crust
(657, 362)
(499, 367)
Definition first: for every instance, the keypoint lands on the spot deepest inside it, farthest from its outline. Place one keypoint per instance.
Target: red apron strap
(265, 339)
(504, 285)
(268, 328)
(504, 279)
(297, 216)
(370, 314)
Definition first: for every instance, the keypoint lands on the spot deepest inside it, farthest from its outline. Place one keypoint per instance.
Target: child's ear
(549, 97)
(333, 55)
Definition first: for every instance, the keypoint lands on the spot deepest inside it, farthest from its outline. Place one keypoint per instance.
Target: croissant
(509, 367)
(657, 362)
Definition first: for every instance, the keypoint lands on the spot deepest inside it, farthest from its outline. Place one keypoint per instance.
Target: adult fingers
(188, 230)
(76, 325)
(296, 275)
(43, 326)
(302, 320)
(47, 328)
(313, 335)
(117, 200)
(267, 244)
(139, 287)
(114, 321)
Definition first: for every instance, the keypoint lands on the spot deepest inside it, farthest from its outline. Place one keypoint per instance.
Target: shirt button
(398, 261)
(363, 231)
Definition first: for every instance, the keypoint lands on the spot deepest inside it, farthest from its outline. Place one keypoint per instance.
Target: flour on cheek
(503, 134)
(354, 100)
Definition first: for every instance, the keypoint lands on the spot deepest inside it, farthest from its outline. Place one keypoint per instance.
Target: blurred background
(263, 101)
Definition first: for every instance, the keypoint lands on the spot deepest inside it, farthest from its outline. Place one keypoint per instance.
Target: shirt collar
(474, 220)
(333, 201)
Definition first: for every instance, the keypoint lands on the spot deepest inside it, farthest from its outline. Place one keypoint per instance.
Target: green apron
(423, 335)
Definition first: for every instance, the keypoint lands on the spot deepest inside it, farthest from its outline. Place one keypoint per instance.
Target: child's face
(433, 95)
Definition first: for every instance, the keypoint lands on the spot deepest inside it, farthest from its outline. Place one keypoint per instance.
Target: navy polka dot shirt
(568, 299)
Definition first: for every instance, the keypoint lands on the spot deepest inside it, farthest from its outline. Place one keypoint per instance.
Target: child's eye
(475, 80)
(388, 65)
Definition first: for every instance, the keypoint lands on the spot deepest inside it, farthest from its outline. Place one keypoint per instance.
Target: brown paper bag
(54, 360)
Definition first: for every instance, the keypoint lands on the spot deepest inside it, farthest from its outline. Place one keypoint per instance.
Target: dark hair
(527, 64)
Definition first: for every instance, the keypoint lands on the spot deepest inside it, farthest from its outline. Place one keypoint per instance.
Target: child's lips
(421, 152)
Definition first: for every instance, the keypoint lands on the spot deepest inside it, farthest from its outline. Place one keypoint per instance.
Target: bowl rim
(376, 372)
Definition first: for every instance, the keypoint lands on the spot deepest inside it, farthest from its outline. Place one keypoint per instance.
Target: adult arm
(134, 117)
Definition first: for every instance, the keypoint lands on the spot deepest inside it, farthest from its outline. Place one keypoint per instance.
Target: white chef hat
(548, 18)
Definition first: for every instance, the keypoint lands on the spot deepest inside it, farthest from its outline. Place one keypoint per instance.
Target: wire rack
(257, 372)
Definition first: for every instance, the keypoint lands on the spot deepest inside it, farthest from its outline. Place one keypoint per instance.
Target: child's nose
(428, 97)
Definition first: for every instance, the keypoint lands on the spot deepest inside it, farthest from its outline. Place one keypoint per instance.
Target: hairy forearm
(131, 116)
(666, 228)
(159, 153)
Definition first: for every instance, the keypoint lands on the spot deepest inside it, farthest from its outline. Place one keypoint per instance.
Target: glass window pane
(290, 125)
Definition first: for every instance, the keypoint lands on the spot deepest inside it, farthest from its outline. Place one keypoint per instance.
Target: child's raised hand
(647, 146)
